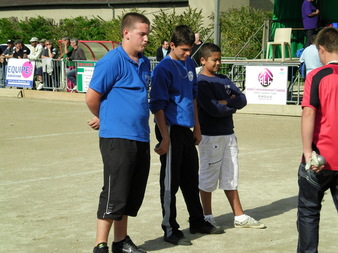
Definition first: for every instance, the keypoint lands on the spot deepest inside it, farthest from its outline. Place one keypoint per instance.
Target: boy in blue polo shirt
(173, 102)
(118, 98)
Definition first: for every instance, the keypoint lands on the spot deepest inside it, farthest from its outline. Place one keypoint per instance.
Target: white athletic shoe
(249, 222)
(40, 86)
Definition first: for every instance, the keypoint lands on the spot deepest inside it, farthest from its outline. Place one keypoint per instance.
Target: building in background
(108, 9)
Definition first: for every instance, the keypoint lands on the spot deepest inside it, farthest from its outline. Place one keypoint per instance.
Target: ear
(125, 33)
(203, 60)
(172, 45)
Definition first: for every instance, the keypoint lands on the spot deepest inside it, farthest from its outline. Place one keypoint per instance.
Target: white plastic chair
(282, 38)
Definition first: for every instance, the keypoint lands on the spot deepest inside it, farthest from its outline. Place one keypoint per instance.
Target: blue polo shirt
(173, 89)
(123, 83)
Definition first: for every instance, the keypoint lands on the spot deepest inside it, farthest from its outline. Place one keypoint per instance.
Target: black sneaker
(101, 248)
(177, 238)
(207, 228)
(126, 245)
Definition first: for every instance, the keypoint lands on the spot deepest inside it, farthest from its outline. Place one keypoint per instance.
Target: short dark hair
(129, 20)
(313, 39)
(164, 40)
(328, 39)
(183, 35)
(207, 49)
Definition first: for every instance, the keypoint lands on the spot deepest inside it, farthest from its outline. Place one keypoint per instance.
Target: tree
(164, 24)
(237, 26)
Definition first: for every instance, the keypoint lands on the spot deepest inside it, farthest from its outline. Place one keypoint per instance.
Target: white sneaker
(40, 86)
(249, 223)
(209, 218)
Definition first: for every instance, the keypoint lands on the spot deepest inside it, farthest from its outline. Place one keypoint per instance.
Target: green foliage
(164, 23)
(237, 26)
(83, 28)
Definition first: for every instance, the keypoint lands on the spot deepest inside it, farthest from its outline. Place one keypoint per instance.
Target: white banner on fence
(266, 84)
(20, 73)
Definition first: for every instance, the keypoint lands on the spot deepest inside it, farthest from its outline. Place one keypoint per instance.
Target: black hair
(183, 35)
(207, 49)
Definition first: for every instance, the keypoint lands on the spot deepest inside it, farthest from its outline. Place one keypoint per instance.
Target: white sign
(20, 73)
(266, 84)
(85, 70)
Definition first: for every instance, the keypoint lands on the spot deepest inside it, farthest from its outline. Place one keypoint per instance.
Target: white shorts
(218, 163)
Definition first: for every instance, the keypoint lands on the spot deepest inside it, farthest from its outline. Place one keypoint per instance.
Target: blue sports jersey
(173, 89)
(123, 83)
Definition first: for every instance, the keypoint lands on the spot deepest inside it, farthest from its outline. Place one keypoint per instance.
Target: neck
(134, 55)
(208, 74)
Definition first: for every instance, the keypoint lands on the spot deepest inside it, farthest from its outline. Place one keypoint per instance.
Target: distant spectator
(9, 50)
(35, 55)
(20, 51)
(310, 56)
(310, 15)
(50, 51)
(77, 54)
(3, 60)
(66, 48)
(195, 54)
(43, 43)
(163, 50)
(50, 68)
(2, 70)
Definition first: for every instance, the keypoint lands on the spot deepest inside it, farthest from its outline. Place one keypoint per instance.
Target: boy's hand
(94, 123)
(163, 147)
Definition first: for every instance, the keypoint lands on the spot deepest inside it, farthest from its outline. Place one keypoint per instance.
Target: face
(34, 43)
(212, 64)
(181, 52)
(18, 45)
(165, 45)
(138, 37)
(73, 44)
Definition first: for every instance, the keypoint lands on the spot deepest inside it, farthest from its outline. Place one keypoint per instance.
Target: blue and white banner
(20, 73)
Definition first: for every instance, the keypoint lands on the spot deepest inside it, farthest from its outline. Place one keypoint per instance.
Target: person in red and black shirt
(319, 134)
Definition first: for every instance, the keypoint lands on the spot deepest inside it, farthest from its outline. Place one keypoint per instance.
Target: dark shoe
(126, 245)
(207, 228)
(101, 248)
(177, 238)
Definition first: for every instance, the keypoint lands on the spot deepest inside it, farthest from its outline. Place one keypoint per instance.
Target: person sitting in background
(310, 56)
(66, 48)
(163, 50)
(77, 54)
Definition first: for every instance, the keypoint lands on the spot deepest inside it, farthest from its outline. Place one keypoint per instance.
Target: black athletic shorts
(126, 168)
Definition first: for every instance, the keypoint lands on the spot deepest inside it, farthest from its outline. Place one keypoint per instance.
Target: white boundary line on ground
(43, 135)
(52, 177)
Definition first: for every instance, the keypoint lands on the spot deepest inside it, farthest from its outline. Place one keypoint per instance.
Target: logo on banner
(265, 77)
(20, 73)
(25, 70)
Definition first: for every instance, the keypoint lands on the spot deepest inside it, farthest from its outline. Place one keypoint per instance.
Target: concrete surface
(51, 176)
